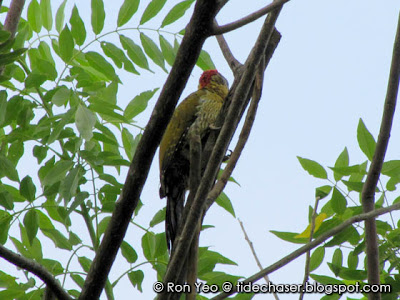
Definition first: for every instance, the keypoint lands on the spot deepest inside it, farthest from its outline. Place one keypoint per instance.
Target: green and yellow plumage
(199, 109)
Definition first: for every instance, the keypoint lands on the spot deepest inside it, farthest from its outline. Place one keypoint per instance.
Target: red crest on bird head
(206, 77)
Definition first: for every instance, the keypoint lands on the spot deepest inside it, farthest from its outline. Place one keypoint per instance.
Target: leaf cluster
(341, 199)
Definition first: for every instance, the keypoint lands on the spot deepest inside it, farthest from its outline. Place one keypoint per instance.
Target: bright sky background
(329, 70)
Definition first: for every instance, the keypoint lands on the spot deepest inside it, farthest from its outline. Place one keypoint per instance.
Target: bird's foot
(227, 156)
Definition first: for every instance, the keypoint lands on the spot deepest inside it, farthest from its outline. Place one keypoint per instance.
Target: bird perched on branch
(199, 109)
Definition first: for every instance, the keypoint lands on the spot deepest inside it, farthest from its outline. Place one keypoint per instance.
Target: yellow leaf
(318, 221)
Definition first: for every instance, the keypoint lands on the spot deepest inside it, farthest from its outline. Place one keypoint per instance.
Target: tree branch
(322, 238)
(217, 30)
(368, 192)
(178, 257)
(197, 31)
(233, 63)
(12, 20)
(37, 269)
(13, 16)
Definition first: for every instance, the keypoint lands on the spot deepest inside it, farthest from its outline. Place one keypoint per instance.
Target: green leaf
(79, 199)
(34, 16)
(60, 241)
(218, 278)
(134, 51)
(224, 201)
(5, 220)
(325, 279)
(85, 120)
(57, 172)
(337, 258)
(35, 80)
(128, 252)
(149, 245)
(31, 223)
(153, 51)
(16, 151)
(208, 259)
(6, 200)
(317, 258)
(365, 140)
(167, 50)
(78, 279)
(152, 10)
(138, 104)
(3, 106)
(127, 10)
(4, 35)
(60, 126)
(322, 191)
(27, 189)
(391, 168)
(313, 168)
(350, 234)
(103, 225)
(8, 58)
(60, 16)
(127, 141)
(47, 16)
(204, 61)
(342, 161)
(8, 169)
(348, 274)
(61, 96)
(350, 170)
(136, 278)
(45, 52)
(66, 44)
(113, 52)
(54, 266)
(99, 63)
(176, 12)
(352, 260)
(85, 263)
(355, 186)
(338, 202)
(69, 186)
(77, 27)
(290, 237)
(40, 153)
(158, 218)
(98, 15)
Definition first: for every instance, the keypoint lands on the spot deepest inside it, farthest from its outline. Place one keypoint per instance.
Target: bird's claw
(227, 156)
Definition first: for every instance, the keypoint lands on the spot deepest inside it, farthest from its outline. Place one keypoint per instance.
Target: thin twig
(309, 246)
(37, 269)
(248, 19)
(308, 254)
(12, 20)
(13, 16)
(368, 192)
(253, 251)
(233, 63)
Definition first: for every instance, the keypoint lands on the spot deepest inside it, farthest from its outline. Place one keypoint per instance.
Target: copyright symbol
(158, 287)
(227, 287)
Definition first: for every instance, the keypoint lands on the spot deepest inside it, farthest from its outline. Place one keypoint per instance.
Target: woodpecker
(199, 109)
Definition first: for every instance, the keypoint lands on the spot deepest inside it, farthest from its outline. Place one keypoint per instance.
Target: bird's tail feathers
(173, 215)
